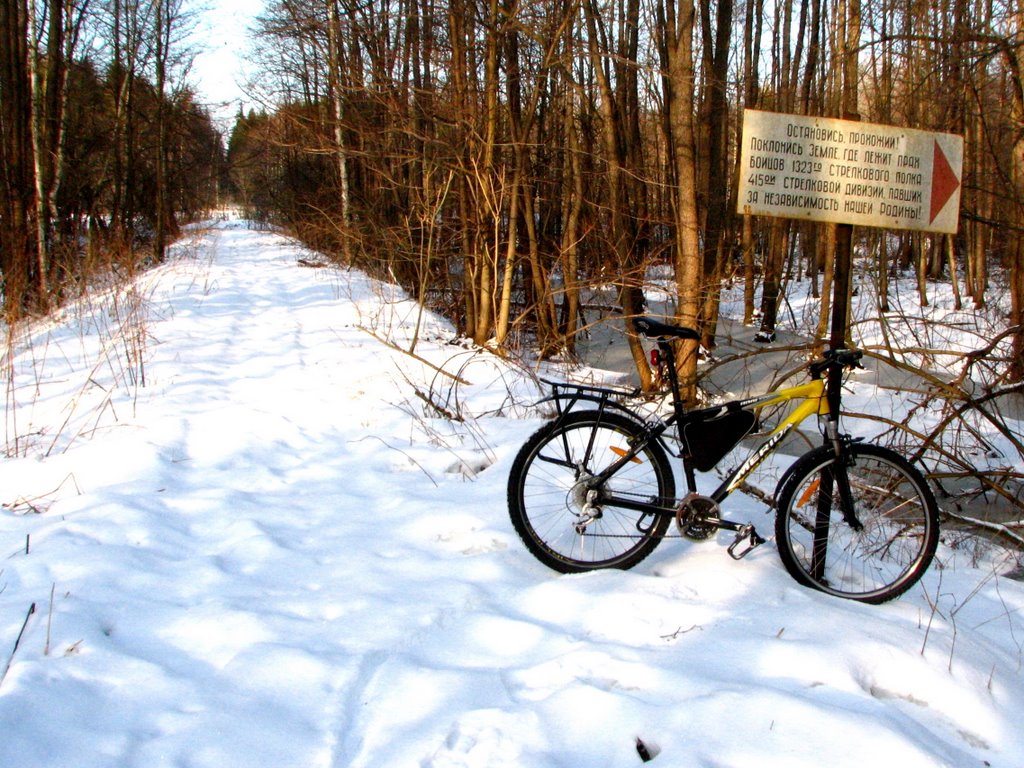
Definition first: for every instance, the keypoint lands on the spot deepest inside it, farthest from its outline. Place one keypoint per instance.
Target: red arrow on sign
(944, 182)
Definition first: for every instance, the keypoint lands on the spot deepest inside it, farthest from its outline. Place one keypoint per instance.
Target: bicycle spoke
(567, 517)
(873, 550)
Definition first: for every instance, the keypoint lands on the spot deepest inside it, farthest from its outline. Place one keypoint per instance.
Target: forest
(499, 160)
(105, 150)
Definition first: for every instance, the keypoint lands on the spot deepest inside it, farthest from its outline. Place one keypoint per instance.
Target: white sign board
(823, 169)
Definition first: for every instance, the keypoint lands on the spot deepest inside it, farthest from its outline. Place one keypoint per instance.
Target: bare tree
(679, 18)
(618, 116)
(1015, 68)
(16, 162)
(501, 157)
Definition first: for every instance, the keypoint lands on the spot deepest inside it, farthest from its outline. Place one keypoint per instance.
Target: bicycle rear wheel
(873, 552)
(551, 482)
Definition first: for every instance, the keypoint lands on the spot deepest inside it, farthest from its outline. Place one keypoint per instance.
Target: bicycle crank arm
(750, 537)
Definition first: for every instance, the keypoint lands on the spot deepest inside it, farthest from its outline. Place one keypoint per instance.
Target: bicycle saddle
(655, 329)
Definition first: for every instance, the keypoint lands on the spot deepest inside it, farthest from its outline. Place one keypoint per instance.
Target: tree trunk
(883, 273)
(47, 80)
(17, 246)
(335, 54)
(717, 225)
(775, 260)
(1015, 61)
(680, 102)
(163, 24)
(572, 205)
(829, 251)
(613, 131)
(752, 27)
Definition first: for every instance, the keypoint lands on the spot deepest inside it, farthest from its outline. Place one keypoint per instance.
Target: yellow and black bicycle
(594, 488)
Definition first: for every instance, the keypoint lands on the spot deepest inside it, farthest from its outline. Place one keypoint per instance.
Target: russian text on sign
(822, 169)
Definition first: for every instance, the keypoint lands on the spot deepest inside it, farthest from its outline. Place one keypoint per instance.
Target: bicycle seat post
(666, 348)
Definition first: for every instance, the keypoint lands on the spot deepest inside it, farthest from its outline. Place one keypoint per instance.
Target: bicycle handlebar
(846, 358)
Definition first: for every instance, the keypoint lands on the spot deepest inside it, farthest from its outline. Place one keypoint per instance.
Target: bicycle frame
(814, 401)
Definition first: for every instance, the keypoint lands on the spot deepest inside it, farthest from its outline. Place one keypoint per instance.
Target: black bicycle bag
(707, 440)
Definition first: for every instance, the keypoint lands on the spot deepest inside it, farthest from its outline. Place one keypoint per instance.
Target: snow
(250, 542)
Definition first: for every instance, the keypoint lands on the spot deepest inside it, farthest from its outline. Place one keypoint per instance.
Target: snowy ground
(247, 543)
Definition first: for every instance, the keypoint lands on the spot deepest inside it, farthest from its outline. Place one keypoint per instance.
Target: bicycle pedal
(749, 536)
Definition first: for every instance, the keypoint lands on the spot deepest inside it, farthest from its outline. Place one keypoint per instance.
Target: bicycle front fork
(834, 477)
(840, 474)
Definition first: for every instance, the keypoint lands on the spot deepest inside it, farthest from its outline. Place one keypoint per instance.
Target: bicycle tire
(547, 489)
(892, 503)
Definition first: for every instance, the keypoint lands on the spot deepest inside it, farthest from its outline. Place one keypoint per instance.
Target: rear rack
(566, 395)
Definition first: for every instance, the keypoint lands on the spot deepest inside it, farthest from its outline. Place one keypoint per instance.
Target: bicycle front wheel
(571, 522)
(865, 531)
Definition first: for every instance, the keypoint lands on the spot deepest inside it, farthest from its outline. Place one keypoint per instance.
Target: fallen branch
(413, 355)
(443, 412)
(17, 643)
(30, 503)
(1000, 529)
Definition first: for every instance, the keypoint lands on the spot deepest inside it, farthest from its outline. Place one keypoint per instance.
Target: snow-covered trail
(270, 558)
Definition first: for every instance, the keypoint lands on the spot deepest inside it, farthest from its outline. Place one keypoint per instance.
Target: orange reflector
(621, 452)
(807, 494)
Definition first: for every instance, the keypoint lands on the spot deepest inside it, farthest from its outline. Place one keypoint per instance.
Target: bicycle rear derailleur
(699, 518)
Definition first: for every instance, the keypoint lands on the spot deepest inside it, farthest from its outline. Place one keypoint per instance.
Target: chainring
(697, 517)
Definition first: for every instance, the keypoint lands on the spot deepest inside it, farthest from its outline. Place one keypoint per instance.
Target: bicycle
(594, 488)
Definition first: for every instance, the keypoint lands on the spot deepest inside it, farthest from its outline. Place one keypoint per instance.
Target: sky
(221, 37)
